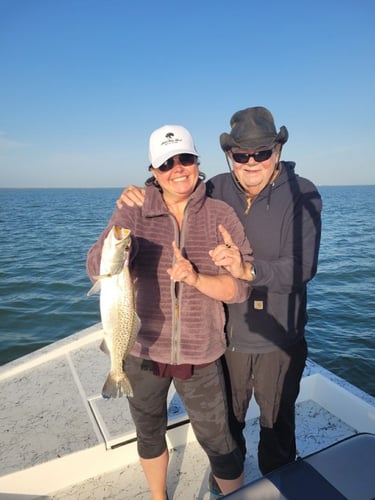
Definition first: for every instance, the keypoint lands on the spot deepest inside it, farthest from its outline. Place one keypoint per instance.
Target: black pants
(274, 380)
(204, 398)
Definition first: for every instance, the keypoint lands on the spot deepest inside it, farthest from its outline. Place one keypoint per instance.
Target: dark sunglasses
(186, 159)
(259, 156)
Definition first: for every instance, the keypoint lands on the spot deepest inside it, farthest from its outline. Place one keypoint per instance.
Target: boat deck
(61, 440)
(189, 468)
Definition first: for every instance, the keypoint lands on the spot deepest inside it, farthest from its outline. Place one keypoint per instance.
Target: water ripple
(45, 236)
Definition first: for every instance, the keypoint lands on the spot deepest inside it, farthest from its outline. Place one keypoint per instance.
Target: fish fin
(97, 285)
(94, 289)
(136, 325)
(115, 387)
(104, 347)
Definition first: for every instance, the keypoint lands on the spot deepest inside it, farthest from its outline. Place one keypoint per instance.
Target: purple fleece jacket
(179, 324)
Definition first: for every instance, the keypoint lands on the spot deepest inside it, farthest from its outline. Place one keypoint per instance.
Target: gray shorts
(204, 398)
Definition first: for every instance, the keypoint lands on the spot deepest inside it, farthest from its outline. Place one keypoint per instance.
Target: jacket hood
(286, 173)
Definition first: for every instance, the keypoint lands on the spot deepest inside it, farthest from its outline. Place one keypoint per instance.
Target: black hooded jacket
(283, 226)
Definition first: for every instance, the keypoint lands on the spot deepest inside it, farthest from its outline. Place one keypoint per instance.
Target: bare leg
(155, 470)
(229, 485)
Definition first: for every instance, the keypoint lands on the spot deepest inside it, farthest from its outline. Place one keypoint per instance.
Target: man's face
(254, 168)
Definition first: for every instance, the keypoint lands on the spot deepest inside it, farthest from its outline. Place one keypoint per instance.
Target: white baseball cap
(168, 141)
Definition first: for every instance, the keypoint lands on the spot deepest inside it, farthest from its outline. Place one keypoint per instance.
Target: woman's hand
(182, 269)
(221, 287)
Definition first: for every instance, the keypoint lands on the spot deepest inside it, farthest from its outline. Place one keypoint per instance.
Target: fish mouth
(121, 233)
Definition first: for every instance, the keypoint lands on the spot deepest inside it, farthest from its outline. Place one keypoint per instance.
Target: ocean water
(45, 235)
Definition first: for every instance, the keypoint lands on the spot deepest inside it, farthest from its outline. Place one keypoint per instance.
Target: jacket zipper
(176, 292)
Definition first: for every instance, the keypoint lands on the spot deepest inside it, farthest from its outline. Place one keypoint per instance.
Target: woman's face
(178, 180)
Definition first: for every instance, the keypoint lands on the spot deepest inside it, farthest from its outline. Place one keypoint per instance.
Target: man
(281, 213)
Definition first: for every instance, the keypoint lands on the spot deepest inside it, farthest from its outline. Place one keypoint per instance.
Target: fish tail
(117, 386)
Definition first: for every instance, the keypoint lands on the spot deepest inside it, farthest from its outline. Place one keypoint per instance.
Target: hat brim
(227, 142)
(161, 159)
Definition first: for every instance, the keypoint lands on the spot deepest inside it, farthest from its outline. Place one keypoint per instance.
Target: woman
(179, 295)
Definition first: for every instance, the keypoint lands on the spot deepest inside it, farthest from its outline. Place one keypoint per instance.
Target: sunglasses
(259, 156)
(186, 159)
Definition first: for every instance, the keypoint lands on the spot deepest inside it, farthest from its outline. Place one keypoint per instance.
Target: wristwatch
(253, 272)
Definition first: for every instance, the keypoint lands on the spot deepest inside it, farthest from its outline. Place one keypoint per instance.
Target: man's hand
(227, 255)
(131, 196)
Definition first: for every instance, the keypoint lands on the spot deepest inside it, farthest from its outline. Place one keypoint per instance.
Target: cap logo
(171, 139)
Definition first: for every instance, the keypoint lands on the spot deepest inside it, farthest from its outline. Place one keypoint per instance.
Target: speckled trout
(120, 321)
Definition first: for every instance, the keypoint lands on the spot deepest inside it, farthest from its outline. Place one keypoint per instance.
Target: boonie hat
(168, 141)
(253, 128)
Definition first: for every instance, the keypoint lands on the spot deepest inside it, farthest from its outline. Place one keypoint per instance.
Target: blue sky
(83, 83)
